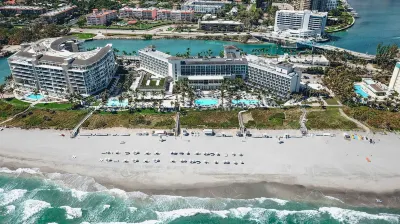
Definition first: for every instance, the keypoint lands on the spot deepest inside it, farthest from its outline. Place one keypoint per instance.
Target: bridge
(301, 42)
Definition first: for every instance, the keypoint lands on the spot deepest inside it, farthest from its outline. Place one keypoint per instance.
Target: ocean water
(175, 46)
(29, 196)
(379, 22)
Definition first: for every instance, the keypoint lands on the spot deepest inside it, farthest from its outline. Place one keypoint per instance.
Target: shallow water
(28, 196)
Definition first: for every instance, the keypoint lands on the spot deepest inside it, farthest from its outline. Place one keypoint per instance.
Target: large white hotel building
(60, 66)
(209, 73)
(300, 23)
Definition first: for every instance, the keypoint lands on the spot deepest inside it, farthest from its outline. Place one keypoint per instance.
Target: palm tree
(120, 99)
(2, 90)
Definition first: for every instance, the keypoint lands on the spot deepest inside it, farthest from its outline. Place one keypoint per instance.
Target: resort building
(301, 24)
(221, 25)
(175, 15)
(101, 17)
(154, 13)
(368, 87)
(395, 80)
(280, 79)
(60, 13)
(302, 4)
(331, 4)
(12, 10)
(139, 13)
(59, 66)
(204, 7)
(154, 62)
(319, 5)
(209, 73)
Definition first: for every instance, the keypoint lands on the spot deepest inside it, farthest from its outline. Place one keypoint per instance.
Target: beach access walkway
(303, 120)
(75, 131)
(241, 123)
(11, 118)
(359, 124)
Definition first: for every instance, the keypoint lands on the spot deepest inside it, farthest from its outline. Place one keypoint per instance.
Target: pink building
(156, 14)
(140, 13)
(176, 15)
(101, 17)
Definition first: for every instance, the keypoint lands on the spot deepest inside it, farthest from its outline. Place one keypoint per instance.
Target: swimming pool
(358, 89)
(247, 102)
(116, 103)
(206, 102)
(34, 97)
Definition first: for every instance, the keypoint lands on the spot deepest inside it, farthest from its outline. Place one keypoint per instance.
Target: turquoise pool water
(117, 103)
(358, 89)
(34, 96)
(247, 102)
(206, 102)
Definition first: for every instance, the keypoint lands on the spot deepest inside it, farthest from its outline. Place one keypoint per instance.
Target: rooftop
(152, 50)
(52, 49)
(21, 7)
(59, 10)
(208, 61)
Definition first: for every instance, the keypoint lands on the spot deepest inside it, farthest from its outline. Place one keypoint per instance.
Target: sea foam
(277, 200)
(351, 216)
(10, 209)
(20, 170)
(80, 195)
(32, 207)
(72, 213)
(333, 199)
(12, 196)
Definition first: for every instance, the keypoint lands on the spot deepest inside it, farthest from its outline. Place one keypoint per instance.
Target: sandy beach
(318, 162)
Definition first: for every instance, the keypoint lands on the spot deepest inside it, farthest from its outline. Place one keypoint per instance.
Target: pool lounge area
(116, 103)
(33, 97)
(245, 102)
(206, 102)
(358, 89)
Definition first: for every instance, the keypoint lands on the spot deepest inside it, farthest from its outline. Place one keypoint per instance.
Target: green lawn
(16, 102)
(54, 106)
(274, 119)
(84, 36)
(328, 119)
(209, 119)
(143, 119)
(331, 101)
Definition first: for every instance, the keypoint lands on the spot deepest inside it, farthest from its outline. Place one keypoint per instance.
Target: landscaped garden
(11, 106)
(46, 118)
(149, 83)
(54, 106)
(209, 119)
(375, 119)
(273, 118)
(84, 36)
(329, 118)
(145, 119)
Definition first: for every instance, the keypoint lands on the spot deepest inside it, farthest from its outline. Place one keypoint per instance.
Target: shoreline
(174, 36)
(337, 167)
